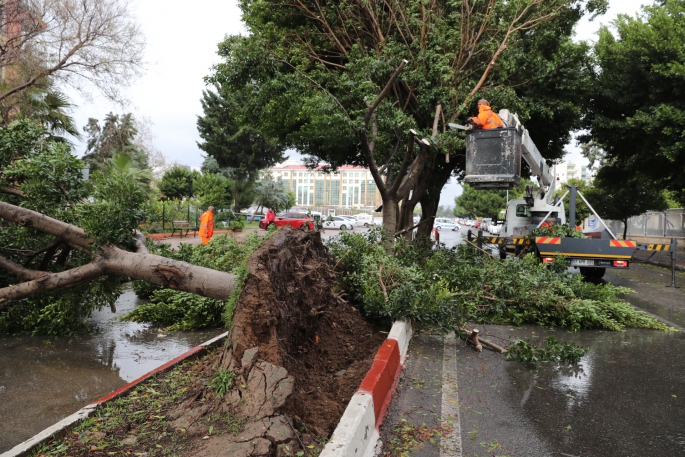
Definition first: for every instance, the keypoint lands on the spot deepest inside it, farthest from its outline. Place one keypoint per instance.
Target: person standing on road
(207, 225)
(486, 118)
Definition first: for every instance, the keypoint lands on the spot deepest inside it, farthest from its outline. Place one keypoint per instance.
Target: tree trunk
(625, 228)
(390, 209)
(107, 260)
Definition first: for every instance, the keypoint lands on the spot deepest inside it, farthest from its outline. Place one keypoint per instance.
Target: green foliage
(446, 288)
(115, 137)
(213, 190)
(560, 230)
(222, 381)
(237, 224)
(272, 194)
(176, 184)
(46, 177)
(637, 114)
(185, 311)
(618, 194)
(486, 203)
(554, 351)
(305, 74)
(177, 310)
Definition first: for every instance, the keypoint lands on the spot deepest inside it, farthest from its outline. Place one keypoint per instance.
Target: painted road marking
(450, 445)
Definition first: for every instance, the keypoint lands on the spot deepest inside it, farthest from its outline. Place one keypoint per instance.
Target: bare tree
(81, 43)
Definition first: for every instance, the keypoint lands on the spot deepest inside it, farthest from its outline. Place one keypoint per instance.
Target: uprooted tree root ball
(296, 352)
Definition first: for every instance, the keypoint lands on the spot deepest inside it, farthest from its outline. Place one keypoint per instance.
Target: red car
(295, 220)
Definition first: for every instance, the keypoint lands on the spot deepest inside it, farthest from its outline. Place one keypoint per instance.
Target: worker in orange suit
(207, 225)
(486, 118)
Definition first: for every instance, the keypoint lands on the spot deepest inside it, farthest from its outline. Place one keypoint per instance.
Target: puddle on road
(44, 379)
(626, 397)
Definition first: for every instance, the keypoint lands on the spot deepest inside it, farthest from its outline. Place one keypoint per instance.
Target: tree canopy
(637, 109)
(329, 80)
(116, 136)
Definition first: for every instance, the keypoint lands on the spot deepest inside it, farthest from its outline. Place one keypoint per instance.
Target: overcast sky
(181, 49)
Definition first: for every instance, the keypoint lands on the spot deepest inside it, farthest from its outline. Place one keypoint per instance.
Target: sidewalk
(176, 240)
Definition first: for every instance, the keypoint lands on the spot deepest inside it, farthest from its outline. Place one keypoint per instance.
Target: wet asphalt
(625, 398)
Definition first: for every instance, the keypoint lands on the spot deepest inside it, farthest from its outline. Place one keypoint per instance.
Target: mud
(288, 316)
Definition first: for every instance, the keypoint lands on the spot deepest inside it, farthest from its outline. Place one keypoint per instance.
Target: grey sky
(181, 50)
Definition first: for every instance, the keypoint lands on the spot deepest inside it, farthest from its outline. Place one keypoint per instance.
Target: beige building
(348, 187)
(567, 170)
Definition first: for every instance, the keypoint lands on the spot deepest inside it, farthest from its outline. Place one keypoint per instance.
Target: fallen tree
(68, 244)
(107, 260)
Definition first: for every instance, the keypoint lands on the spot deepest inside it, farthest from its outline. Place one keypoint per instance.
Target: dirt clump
(297, 349)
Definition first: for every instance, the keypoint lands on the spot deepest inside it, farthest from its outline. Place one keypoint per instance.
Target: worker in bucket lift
(486, 118)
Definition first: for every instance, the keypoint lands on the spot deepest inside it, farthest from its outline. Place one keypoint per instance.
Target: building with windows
(565, 171)
(348, 187)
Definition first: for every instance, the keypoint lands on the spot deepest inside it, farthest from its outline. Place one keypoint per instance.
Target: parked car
(352, 220)
(365, 220)
(295, 220)
(444, 223)
(338, 222)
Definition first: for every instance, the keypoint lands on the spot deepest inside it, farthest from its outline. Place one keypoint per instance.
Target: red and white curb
(357, 432)
(61, 427)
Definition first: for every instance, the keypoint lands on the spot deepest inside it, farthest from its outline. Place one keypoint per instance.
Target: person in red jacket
(486, 118)
(270, 216)
(207, 225)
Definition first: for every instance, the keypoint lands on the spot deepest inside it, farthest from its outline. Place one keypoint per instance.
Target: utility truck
(493, 161)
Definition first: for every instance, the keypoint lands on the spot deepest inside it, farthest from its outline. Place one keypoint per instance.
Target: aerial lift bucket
(493, 158)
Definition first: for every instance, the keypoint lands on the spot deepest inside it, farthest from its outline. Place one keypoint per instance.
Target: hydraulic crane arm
(532, 156)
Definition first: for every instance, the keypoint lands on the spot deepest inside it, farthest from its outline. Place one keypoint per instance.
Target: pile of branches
(447, 288)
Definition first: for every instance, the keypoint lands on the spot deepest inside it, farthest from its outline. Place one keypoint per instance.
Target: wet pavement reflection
(43, 380)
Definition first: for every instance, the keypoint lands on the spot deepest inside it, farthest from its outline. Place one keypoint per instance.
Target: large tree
(116, 136)
(230, 138)
(637, 114)
(86, 44)
(346, 82)
(619, 195)
(66, 245)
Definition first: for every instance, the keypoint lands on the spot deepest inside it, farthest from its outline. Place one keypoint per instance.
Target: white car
(444, 223)
(351, 219)
(338, 222)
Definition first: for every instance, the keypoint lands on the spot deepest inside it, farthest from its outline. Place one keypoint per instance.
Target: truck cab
(520, 218)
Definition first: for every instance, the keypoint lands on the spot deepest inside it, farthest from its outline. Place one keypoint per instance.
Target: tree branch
(23, 273)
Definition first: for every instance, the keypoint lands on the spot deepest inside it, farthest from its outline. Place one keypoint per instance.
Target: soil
(289, 316)
(295, 354)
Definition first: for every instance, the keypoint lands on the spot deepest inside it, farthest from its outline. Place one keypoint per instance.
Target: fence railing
(667, 224)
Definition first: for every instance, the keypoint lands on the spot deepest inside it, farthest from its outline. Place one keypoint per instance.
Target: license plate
(583, 262)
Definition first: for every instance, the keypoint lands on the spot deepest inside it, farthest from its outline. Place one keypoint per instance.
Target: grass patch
(138, 422)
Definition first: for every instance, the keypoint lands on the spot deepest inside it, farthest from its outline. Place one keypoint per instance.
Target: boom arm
(532, 156)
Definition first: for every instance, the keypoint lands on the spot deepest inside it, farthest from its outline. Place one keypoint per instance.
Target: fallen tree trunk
(107, 260)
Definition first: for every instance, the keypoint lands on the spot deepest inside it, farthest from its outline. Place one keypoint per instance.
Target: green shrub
(446, 288)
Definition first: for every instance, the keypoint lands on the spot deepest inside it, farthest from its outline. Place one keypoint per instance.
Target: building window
(356, 181)
(356, 175)
(344, 181)
(344, 187)
(344, 200)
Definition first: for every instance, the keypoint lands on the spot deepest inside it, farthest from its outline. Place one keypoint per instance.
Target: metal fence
(667, 224)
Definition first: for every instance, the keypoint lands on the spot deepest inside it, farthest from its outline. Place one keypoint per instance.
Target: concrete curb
(61, 427)
(357, 432)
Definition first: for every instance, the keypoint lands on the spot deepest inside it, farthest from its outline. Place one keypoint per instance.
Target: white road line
(450, 445)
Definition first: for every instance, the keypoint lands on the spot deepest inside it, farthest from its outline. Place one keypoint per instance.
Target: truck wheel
(599, 272)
